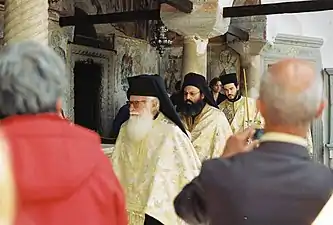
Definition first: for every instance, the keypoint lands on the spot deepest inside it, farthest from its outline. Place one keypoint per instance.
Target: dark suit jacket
(276, 184)
(220, 98)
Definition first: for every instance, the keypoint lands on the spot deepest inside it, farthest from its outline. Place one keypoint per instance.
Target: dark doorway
(87, 86)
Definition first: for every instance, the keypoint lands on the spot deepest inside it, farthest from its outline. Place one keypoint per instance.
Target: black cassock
(151, 221)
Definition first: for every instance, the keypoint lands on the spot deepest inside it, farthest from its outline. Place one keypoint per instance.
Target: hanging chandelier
(160, 41)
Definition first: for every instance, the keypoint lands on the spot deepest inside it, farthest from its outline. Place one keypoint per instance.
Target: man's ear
(260, 107)
(202, 96)
(237, 87)
(321, 108)
(58, 105)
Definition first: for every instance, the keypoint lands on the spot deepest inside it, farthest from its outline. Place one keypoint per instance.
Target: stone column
(26, 19)
(204, 22)
(251, 62)
(194, 56)
(252, 66)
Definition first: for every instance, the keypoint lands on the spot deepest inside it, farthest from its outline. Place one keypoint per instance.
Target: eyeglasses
(137, 104)
(191, 94)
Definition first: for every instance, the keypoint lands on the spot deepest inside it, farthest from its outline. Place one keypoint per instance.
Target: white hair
(32, 79)
(290, 108)
(154, 102)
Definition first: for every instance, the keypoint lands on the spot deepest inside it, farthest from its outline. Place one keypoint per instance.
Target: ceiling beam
(236, 11)
(185, 6)
(278, 8)
(121, 17)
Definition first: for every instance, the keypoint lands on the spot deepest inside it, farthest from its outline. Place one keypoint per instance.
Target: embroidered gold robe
(154, 171)
(209, 132)
(236, 114)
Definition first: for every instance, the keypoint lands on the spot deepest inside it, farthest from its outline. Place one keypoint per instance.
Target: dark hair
(178, 85)
(213, 82)
(62, 113)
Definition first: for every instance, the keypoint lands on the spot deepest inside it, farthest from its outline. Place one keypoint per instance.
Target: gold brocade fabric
(154, 171)
(209, 132)
(236, 114)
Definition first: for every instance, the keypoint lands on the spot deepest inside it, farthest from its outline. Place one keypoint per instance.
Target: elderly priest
(201, 116)
(153, 157)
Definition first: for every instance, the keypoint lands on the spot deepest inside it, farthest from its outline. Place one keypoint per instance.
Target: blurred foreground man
(277, 183)
(62, 176)
(208, 126)
(241, 112)
(153, 157)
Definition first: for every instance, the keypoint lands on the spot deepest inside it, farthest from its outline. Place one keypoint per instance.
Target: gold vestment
(236, 114)
(154, 171)
(209, 132)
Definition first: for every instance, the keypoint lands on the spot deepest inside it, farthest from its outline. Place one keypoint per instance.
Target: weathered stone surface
(220, 59)
(134, 57)
(206, 20)
(26, 19)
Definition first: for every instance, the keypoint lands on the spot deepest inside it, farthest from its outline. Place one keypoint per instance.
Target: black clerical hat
(229, 79)
(153, 85)
(199, 81)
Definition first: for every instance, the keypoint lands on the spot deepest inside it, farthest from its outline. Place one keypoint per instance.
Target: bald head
(291, 92)
(293, 74)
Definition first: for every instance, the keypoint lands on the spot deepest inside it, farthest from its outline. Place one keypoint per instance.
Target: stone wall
(221, 59)
(171, 66)
(306, 48)
(134, 57)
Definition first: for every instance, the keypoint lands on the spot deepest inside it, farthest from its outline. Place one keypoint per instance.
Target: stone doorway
(87, 95)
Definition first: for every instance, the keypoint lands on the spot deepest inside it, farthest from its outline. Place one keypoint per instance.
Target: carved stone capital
(248, 48)
(55, 5)
(299, 41)
(205, 21)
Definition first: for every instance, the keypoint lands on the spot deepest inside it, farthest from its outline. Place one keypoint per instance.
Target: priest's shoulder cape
(209, 132)
(153, 171)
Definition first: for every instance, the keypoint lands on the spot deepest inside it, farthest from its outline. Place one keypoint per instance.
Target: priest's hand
(240, 142)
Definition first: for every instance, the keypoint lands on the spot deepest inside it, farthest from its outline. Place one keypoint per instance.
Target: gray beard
(138, 127)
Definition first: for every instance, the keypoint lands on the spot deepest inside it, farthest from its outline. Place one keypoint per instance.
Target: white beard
(138, 126)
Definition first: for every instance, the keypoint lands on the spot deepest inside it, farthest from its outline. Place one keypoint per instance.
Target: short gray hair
(287, 107)
(32, 79)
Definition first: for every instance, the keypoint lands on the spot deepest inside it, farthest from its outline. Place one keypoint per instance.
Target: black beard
(188, 108)
(236, 98)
